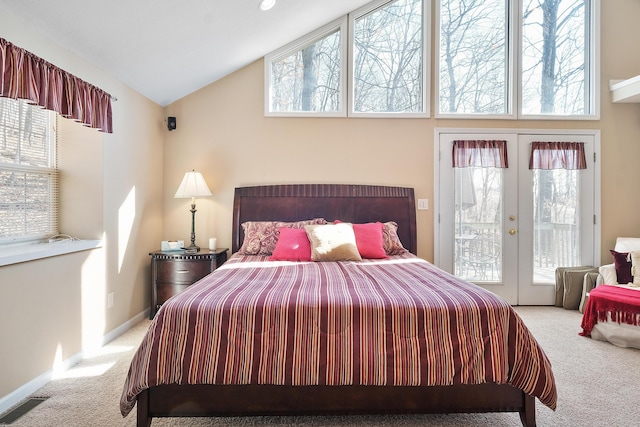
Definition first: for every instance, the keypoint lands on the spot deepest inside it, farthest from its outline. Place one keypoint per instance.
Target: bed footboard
(254, 400)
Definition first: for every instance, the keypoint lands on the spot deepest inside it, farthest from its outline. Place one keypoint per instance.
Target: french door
(507, 227)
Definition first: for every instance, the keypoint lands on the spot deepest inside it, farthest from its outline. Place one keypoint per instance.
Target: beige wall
(223, 133)
(620, 124)
(53, 309)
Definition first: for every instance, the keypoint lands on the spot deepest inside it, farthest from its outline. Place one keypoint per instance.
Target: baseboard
(26, 390)
(115, 333)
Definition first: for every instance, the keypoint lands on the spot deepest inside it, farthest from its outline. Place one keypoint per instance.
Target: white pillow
(608, 273)
(627, 244)
(635, 267)
(333, 242)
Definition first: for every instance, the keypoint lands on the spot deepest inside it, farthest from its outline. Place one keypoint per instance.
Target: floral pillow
(260, 237)
(391, 241)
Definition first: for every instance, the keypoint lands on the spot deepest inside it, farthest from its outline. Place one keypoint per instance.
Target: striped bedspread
(397, 321)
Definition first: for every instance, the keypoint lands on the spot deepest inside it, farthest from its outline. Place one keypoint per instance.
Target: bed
(356, 354)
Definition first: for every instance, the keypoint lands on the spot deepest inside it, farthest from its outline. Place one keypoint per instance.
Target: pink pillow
(369, 239)
(292, 245)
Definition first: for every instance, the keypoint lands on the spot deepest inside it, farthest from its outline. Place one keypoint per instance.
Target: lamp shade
(192, 185)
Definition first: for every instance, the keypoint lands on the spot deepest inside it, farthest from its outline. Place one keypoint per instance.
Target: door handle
(512, 231)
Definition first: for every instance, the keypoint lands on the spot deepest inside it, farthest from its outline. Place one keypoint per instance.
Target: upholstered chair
(619, 272)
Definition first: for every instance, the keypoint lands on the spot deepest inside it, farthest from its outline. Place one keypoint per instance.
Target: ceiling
(166, 49)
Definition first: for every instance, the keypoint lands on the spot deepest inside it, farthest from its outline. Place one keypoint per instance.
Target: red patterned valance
(480, 153)
(26, 76)
(557, 155)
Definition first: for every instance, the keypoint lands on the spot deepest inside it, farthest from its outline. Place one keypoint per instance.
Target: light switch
(423, 204)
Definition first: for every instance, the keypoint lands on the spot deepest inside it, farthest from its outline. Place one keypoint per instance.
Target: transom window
(308, 78)
(526, 58)
(28, 178)
(502, 59)
(474, 57)
(385, 55)
(555, 56)
(388, 58)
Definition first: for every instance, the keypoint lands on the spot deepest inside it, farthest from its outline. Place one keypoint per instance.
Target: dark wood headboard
(348, 203)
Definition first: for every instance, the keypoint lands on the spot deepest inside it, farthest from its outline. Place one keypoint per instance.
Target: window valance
(26, 76)
(557, 155)
(480, 153)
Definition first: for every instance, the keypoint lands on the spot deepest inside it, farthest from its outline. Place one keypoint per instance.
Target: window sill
(15, 254)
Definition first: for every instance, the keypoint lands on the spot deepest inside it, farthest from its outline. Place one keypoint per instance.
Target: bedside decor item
(171, 245)
(193, 185)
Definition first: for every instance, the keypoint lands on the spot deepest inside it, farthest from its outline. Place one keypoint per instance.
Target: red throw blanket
(622, 304)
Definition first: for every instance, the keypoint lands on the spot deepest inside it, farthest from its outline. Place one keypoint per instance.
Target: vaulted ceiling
(167, 49)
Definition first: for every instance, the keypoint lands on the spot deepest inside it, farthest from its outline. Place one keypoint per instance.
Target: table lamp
(193, 185)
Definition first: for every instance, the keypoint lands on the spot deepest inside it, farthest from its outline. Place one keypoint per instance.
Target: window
(28, 178)
(388, 59)
(307, 76)
(474, 60)
(555, 57)
(526, 59)
(387, 63)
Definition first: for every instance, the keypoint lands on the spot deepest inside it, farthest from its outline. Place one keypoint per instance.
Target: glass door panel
(560, 206)
(556, 221)
(478, 223)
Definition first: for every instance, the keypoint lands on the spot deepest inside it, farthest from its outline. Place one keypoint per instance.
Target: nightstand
(173, 272)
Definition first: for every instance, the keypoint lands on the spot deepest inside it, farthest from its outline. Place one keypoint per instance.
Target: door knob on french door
(512, 231)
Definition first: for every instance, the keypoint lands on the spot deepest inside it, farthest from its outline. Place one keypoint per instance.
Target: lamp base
(192, 249)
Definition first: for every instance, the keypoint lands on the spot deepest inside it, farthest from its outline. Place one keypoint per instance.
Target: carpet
(598, 384)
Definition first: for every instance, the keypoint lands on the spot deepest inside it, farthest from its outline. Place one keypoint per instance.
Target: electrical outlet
(110, 300)
(423, 204)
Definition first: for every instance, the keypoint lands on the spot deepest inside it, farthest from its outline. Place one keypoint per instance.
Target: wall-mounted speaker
(171, 123)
